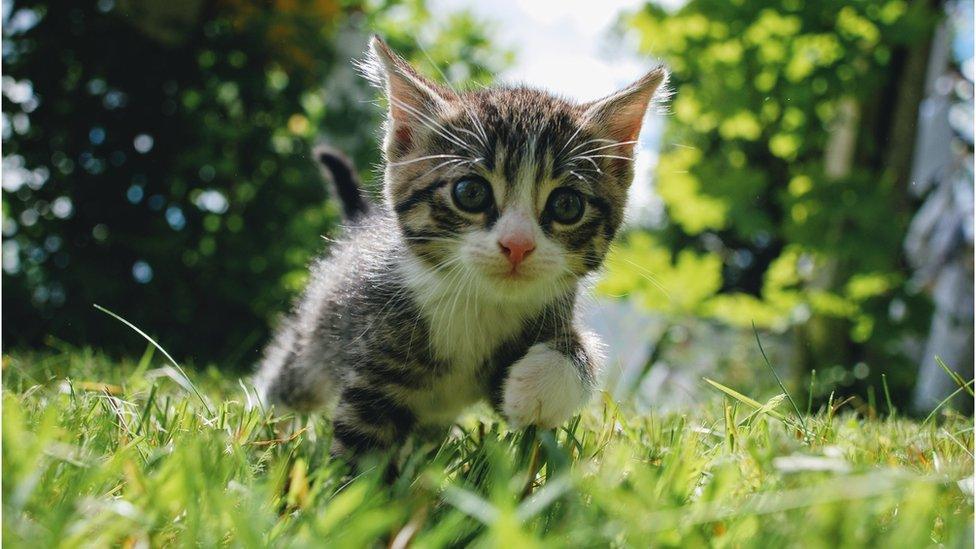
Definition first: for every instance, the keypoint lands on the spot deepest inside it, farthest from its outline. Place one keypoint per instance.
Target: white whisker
(483, 138)
(614, 144)
(568, 141)
(428, 157)
(433, 125)
(582, 177)
(591, 161)
(587, 142)
(456, 163)
(608, 156)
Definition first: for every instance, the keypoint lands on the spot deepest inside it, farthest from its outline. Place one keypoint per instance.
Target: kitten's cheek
(484, 258)
(471, 256)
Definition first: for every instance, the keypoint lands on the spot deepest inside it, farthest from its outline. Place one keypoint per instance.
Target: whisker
(582, 177)
(591, 161)
(456, 163)
(482, 142)
(650, 277)
(422, 158)
(608, 156)
(433, 125)
(588, 141)
(570, 140)
(483, 138)
(613, 144)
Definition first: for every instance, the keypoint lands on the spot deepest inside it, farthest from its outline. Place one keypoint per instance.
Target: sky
(566, 46)
(561, 45)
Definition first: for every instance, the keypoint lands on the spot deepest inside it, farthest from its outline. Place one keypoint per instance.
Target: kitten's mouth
(514, 274)
(512, 278)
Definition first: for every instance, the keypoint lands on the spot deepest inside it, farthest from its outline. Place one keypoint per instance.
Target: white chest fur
(466, 327)
(466, 321)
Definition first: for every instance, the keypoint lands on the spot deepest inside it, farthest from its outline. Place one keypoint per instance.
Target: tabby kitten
(462, 285)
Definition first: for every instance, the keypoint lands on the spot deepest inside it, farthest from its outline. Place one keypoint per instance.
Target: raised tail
(343, 180)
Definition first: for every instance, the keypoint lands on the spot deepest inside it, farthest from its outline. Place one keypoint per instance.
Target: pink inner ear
(625, 124)
(411, 102)
(622, 114)
(402, 137)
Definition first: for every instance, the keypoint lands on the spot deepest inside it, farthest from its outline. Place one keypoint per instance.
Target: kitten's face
(503, 190)
(512, 192)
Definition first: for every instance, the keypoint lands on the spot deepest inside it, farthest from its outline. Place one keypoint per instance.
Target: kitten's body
(429, 305)
(376, 329)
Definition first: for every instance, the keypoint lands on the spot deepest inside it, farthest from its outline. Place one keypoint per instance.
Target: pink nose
(516, 247)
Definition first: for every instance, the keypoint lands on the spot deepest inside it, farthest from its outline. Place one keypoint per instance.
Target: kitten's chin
(522, 287)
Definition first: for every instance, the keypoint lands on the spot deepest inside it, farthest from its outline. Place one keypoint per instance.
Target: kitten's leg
(293, 377)
(551, 382)
(368, 419)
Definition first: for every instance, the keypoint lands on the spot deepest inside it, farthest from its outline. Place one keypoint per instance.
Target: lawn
(101, 452)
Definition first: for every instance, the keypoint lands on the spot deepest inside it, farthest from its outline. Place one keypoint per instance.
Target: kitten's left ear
(414, 100)
(619, 116)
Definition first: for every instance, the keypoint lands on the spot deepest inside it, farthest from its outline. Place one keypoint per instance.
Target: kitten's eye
(472, 194)
(565, 206)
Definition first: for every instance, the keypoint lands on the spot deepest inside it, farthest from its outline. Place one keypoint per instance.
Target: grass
(99, 452)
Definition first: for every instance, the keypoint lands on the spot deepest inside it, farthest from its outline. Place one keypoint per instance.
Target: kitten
(462, 285)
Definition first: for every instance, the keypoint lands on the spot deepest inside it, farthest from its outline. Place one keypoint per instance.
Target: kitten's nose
(516, 247)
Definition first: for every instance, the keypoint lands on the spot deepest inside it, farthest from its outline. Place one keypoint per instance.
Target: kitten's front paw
(543, 388)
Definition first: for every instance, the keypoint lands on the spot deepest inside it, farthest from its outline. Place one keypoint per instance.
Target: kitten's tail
(343, 180)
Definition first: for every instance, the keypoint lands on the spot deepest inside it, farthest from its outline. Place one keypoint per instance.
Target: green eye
(472, 194)
(565, 206)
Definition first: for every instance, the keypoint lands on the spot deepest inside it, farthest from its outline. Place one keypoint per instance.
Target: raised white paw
(543, 388)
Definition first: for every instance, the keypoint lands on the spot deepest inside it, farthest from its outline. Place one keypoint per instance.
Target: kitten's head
(517, 190)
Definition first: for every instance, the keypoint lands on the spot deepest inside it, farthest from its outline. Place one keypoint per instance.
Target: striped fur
(417, 314)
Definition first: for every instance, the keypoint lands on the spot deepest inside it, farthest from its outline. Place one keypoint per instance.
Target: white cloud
(558, 43)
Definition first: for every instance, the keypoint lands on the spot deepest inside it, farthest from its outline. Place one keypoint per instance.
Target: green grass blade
(891, 407)
(959, 381)
(744, 399)
(162, 350)
(947, 399)
(799, 415)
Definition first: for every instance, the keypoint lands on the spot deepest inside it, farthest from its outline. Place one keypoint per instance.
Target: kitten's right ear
(414, 100)
(621, 114)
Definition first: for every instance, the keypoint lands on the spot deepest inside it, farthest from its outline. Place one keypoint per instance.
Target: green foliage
(98, 453)
(775, 176)
(679, 285)
(159, 165)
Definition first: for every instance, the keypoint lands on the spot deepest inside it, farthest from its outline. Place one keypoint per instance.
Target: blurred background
(812, 175)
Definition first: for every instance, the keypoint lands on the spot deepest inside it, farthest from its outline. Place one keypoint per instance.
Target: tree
(783, 174)
(156, 158)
